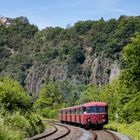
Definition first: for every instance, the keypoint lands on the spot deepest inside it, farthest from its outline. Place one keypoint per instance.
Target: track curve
(103, 135)
(59, 132)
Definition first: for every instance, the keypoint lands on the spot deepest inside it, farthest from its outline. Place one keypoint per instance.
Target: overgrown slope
(88, 52)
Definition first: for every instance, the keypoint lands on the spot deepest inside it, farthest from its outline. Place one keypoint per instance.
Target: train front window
(101, 109)
(91, 109)
(96, 109)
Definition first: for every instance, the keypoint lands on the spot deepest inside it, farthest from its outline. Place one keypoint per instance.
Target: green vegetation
(17, 119)
(49, 100)
(131, 130)
(12, 96)
(26, 50)
(55, 67)
(123, 93)
(90, 94)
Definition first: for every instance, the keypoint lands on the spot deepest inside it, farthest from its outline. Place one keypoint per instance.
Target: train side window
(106, 108)
(77, 111)
(84, 109)
(74, 111)
(81, 110)
(71, 111)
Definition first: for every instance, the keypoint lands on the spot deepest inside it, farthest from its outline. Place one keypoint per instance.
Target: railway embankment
(70, 132)
(126, 131)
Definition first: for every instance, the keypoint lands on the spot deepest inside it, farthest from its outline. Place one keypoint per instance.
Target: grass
(6, 132)
(15, 126)
(131, 130)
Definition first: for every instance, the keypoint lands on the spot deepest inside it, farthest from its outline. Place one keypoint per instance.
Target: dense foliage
(25, 51)
(49, 100)
(14, 48)
(123, 95)
(12, 96)
(35, 58)
(17, 120)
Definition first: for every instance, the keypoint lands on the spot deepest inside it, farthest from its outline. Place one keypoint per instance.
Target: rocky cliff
(97, 70)
(88, 52)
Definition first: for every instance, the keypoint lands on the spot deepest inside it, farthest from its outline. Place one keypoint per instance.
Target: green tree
(49, 100)
(12, 96)
(90, 94)
(123, 93)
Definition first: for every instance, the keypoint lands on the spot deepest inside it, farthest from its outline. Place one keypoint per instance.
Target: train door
(60, 115)
(81, 116)
(77, 115)
(74, 115)
(68, 115)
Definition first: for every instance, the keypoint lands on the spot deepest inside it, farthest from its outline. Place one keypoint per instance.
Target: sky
(46, 13)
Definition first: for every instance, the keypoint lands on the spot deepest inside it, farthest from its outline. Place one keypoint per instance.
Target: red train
(92, 114)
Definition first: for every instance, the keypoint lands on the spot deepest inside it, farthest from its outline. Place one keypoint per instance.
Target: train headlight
(88, 120)
(104, 120)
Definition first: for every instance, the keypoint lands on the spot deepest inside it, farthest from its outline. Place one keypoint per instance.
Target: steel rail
(112, 134)
(43, 135)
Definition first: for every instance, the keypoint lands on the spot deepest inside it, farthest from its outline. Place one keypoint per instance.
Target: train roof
(95, 104)
(69, 108)
(85, 105)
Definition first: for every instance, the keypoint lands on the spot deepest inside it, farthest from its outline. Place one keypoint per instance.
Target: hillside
(88, 52)
(90, 61)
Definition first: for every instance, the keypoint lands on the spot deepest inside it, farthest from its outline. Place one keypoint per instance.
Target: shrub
(7, 133)
(20, 122)
(12, 96)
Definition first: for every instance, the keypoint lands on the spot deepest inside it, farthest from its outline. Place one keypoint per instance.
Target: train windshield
(101, 109)
(96, 109)
(91, 109)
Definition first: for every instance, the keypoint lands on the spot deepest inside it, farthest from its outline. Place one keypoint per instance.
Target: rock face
(95, 69)
(115, 71)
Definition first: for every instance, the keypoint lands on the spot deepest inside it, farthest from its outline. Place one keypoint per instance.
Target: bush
(20, 122)
(132, 130)
(16, 111)
(36, 124)
(12, 96)
(7, 133)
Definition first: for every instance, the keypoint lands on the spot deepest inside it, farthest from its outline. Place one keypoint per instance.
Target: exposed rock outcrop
(115, 71)
(95, 69)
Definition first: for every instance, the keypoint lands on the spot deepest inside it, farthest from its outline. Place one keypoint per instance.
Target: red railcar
(92, 114)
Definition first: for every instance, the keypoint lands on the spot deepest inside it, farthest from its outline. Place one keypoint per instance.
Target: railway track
(103, 135)
(112, 134)
(60, 131)
(94, 135)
